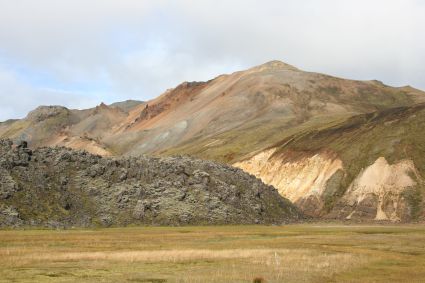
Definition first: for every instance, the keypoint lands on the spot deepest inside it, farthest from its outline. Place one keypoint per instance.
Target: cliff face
(380, 192)
(377, 193)
(366, 167)
(60, 187)
(302, 178)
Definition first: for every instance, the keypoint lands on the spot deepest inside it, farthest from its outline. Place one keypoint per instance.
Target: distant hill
(127, 105)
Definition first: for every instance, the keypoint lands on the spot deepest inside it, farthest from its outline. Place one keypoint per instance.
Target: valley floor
(293, 253)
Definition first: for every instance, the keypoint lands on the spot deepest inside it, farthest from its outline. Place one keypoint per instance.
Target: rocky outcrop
(382, 191)
(379, 192)
(46, 112)
(300, 177)
(59, 187)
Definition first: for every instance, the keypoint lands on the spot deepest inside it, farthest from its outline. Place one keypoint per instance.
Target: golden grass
(295, 253)
(132, 256)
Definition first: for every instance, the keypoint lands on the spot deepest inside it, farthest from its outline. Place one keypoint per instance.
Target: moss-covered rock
(61, 187)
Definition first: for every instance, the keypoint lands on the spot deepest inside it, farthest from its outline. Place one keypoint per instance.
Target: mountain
(59, 187)
(263, 120)
(222, 119)
(78, 129)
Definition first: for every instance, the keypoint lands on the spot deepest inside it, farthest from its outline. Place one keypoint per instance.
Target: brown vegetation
(299, 253)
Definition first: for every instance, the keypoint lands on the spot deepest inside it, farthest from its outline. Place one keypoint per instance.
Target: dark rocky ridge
(60, 187)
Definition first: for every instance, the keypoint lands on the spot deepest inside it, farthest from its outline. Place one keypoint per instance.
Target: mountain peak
(102, 106)
(275, 65)
(42, 113)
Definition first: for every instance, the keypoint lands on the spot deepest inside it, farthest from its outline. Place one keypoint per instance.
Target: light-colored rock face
(298, 179)
(385, 183)
(376, 193)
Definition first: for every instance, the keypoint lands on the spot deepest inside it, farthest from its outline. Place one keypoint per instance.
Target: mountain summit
(274, 66)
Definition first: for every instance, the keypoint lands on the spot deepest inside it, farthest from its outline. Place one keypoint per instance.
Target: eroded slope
(367, 167)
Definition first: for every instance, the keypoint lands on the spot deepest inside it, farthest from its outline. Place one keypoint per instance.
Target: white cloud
(137, 49)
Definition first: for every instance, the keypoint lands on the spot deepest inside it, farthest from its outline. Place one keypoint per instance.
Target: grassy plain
(293, 253)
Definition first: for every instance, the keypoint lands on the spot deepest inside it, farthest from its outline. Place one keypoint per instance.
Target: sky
(79, 53)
